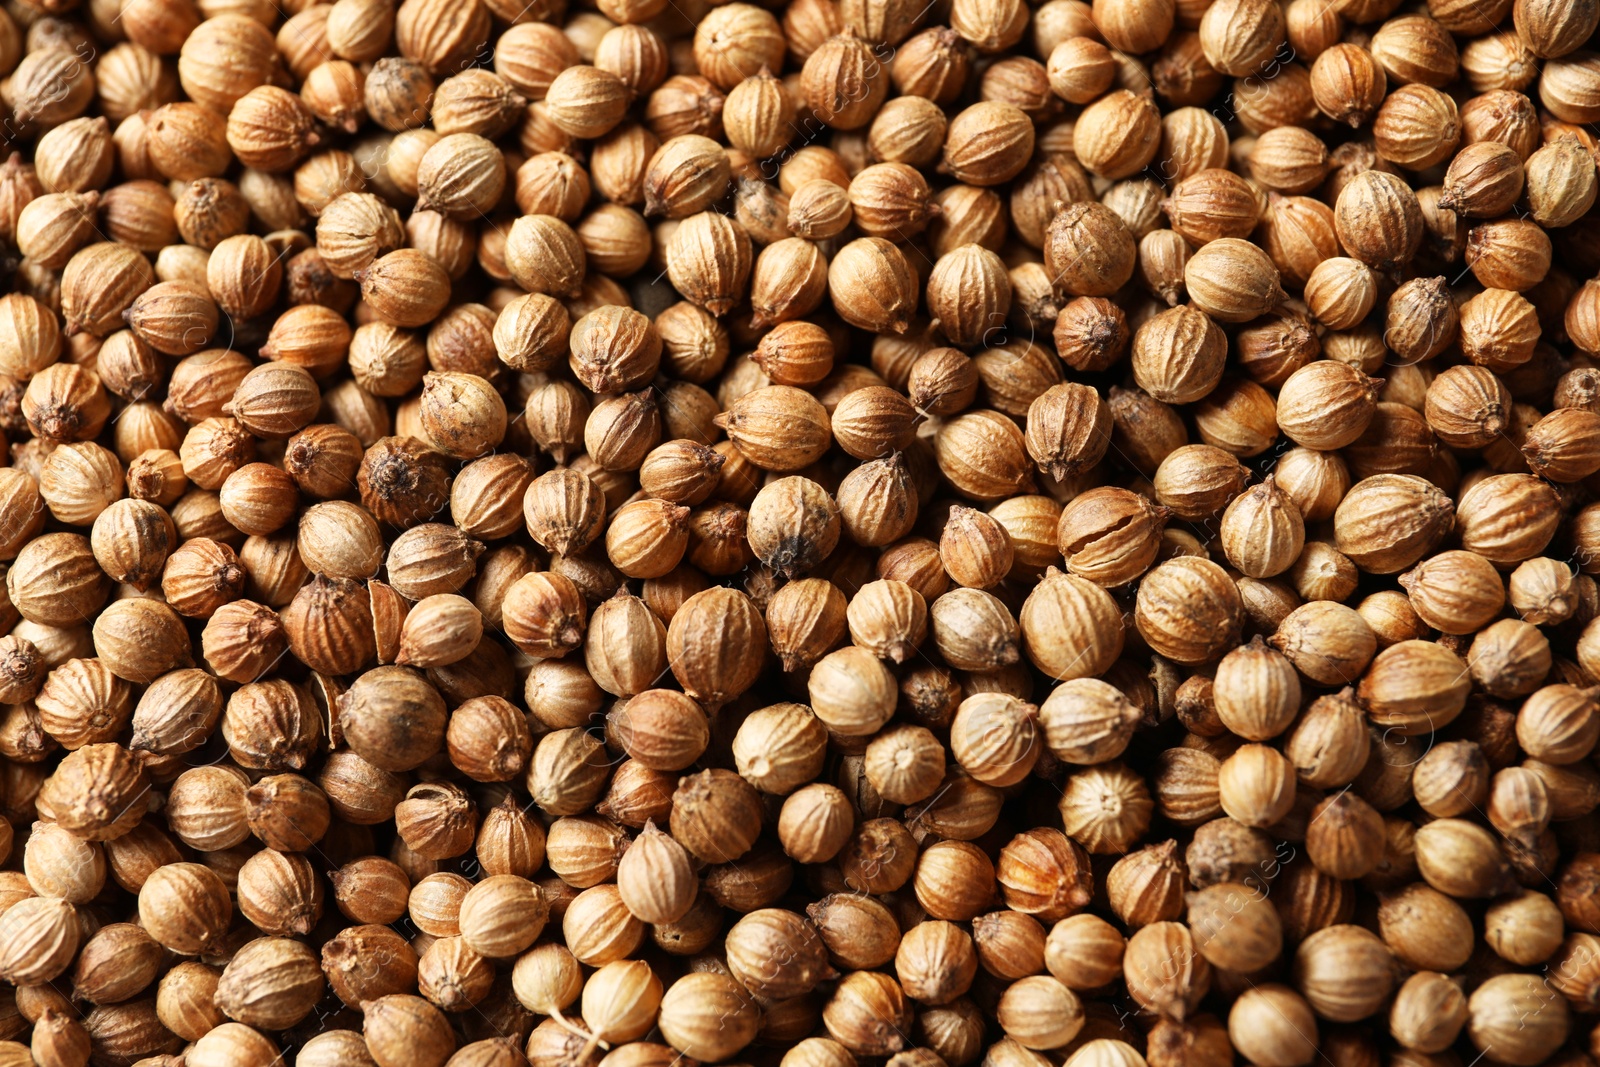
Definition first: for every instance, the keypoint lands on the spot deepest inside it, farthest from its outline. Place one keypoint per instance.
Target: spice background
(812, 533)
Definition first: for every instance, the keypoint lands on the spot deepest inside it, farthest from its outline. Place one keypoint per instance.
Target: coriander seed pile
(811, 533)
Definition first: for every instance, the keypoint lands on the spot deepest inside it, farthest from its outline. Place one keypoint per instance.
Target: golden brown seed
(1379, 220)
(1232, 280)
